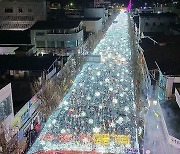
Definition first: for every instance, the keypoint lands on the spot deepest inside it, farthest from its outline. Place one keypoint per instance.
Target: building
(10, 44)
(21, 15)
(18, 104)
(175, 29)
(164, 9)
(96, 13)
(102, 3)
(6, 108)
(163, 70)
(160, 64)
(9, 37)
(29, 67)
(153, 22)
(158, 9)
(74, 13)
(60, 37)
(93, 25)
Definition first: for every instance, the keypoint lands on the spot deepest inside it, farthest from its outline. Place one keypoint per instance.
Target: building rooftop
(3, 83)
(168, 14)
(23, 48)
(167, 56)
(9, 37)
(21, 94)
(154, 34)
(175, 27)
(35, 63)
(85, 19)
(166, 39)
(45, 25)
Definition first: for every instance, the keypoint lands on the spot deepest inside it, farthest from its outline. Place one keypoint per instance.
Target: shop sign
(21, 117)
(104, 139)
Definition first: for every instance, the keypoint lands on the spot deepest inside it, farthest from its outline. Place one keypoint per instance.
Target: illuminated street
(98, 113)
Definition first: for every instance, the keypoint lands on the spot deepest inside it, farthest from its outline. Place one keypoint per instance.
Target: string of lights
(98, 112)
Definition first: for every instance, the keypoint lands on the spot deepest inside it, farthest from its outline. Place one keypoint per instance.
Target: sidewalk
(155, 138)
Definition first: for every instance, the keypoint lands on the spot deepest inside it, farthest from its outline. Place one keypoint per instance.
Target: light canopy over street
(98, 112)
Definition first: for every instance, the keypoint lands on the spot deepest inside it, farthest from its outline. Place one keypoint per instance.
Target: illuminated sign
(104, 139)
(132, 150)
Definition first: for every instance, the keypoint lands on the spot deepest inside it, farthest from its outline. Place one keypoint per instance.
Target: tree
(48, 92)
(7, 146)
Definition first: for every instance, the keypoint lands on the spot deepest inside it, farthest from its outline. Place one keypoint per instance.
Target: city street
(155, 137)
(98, 113)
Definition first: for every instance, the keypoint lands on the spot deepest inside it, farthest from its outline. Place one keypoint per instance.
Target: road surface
(155, 137)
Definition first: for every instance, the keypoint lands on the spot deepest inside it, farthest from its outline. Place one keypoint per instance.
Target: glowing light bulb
(110, 89)
(96, 130)
(115, 100)
(126, 108)
(63, 131)
(97, 93)
(98, 73)
(90, 121)
(107, 80)
(66, 103)
(120, 120)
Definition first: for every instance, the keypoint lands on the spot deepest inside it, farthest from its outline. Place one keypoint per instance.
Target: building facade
(21, 15)
(57, 37)
(152, 22)
(96, 13)
(6, 109)
(93, 25)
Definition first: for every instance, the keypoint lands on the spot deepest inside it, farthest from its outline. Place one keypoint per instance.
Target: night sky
(136, 3)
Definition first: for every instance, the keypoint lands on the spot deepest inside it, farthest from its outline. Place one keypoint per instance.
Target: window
(146, 24)
(20, 10)
(50, 44)
(40, 44)
(40, 33)
(71, 44)
(29, 10)
(59, 44)
(8, 10)
(62, 44)
(5, 108)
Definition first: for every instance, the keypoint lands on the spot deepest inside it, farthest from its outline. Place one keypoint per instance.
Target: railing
(64, 32)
